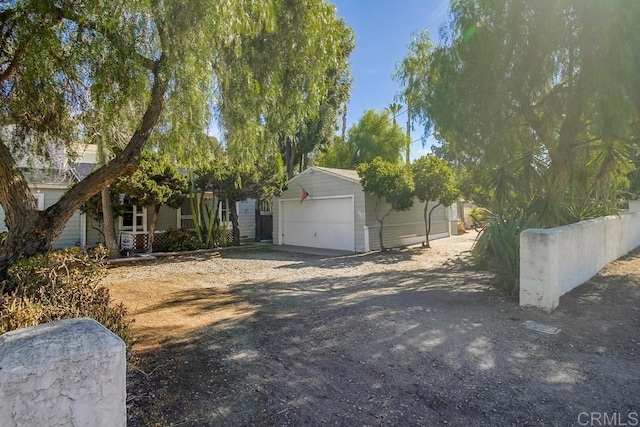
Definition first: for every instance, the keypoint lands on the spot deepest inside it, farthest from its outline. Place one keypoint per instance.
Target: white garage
(320, 223)
(327, 208)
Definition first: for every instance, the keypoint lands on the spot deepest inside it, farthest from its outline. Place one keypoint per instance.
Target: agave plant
(498, 247)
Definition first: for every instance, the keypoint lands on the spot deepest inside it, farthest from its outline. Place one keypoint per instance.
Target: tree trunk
(461, 217)
(30, 231)
(427, 226)
(288, 156)
(427, 222)
(233, 214)
(381, 221)
(152, 228)
(109, 231)
(344, 122)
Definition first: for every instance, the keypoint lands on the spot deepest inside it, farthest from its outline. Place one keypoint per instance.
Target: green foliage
(300, 78)
(388, 182)
(93, 206)
(433, 181)
(498, 247)
(537, 104)
(60, 285)
(375, 135)
(340, 154)
(413, 75)
(156, 182)
(140, 72)
(179, 239)
(522, 95)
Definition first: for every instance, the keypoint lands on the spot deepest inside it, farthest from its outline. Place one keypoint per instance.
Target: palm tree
(394, 108)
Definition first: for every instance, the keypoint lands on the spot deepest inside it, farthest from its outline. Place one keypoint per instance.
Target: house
(327, 208)
(136, 219)
(49, 181)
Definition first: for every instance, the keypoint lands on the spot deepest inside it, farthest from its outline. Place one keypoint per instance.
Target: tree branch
(127, 160)
(116, 39)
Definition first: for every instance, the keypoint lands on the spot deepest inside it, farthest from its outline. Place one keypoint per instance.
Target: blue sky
(383, 30)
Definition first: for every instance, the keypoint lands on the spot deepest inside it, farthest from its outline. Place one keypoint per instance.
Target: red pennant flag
(303, 194)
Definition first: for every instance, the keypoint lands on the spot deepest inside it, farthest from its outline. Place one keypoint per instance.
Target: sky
(383, 29)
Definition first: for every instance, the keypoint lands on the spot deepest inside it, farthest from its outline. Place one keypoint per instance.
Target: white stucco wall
(70, 372)
(555, 261)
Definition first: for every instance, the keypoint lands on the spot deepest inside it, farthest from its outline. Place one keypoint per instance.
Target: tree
(340, 154)
(168, 59)
(542, 96)
(433, 180)
(388, 182)
(394, 109)
(412, 74)
(260, 181)
(373, 136)
(156, 182)
(294, 101)
(93, 207)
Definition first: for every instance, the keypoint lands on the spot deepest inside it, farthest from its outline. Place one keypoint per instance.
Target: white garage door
(318, 223)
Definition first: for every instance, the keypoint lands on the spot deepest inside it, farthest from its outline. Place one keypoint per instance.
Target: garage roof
(347, 174)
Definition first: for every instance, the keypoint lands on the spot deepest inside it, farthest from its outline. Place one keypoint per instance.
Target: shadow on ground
(393, 347)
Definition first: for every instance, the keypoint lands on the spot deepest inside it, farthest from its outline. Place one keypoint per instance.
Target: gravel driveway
(411, 337)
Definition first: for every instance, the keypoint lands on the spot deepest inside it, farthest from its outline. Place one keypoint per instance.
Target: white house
(49, 182)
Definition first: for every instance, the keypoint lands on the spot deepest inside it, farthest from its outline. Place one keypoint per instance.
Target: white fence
(70, 372)
(556, 260)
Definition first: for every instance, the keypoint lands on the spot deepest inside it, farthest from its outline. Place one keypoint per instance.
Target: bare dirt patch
(411, 337)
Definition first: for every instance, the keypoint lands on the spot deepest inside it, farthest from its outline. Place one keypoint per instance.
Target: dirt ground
(410, 337)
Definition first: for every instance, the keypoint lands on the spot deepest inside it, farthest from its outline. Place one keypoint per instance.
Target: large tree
(294, 102)
(392, 186)
(540, 96)
(375, 135)
(168, 60)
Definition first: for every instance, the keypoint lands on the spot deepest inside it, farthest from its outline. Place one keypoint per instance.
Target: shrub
(60, 285)
(180, 239)
(498, 248)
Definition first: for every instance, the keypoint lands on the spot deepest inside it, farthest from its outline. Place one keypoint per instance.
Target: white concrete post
(70, 372)
(539, 273)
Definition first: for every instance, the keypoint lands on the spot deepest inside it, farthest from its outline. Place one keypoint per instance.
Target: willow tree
(58, 59)
(294, 101)
(542, 95)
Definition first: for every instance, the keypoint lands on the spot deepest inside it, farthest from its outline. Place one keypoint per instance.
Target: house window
(186, 215)
(223, 214)
(133, 219)
(266, 207)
